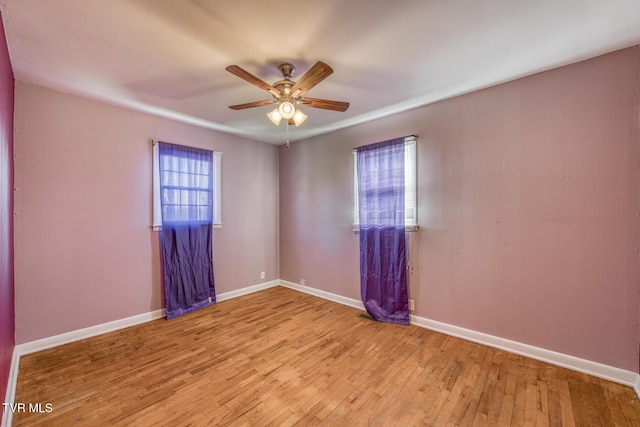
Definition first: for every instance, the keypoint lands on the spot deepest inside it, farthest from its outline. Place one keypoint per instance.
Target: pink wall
(528, 209)
(7, 327)
(85, 254)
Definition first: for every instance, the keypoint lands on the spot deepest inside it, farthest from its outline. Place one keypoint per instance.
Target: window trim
(217, 189)
(411, 186)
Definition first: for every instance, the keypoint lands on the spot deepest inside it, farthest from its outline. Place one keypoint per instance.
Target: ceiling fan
(287, 93)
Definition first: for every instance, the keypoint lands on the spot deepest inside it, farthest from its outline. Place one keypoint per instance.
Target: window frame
(216, 189)
(410, 186)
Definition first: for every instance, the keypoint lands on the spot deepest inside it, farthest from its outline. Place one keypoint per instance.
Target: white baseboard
(596, 369)
(323, 294)
(245, 291)
(91, 331)
(7, 416)
(589, 367)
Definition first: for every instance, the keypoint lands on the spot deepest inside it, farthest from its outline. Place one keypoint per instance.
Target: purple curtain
(383, 272)
(186, 239)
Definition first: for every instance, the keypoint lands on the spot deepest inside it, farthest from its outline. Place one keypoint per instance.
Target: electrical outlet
(262, 275)
(302, 282)
(411, 305)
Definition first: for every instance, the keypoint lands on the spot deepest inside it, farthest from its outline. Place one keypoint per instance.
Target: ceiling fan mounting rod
(284, 86)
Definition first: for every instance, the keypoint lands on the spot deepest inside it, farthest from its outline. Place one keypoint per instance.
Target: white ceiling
(168, 57)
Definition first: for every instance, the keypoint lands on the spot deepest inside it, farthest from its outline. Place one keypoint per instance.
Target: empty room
(344, 213)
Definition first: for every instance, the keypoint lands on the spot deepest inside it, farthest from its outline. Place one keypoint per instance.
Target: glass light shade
(275, 116)
(287, 110)
(299, 117)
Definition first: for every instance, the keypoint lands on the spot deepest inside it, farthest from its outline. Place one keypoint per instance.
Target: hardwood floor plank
(280, 357)
(508, 407)
(496, 395)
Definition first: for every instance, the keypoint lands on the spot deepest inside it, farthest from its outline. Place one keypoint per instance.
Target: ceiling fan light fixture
(287, 110)
(287, 94)
(299, 117)
(275, 116)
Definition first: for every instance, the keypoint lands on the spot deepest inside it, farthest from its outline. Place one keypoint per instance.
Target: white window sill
(408, 229)
(159, 227)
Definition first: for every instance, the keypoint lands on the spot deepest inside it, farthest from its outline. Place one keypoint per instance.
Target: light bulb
(286, 110)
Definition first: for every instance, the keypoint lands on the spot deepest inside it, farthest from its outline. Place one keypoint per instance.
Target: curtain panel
(383, 272)
(186, 239)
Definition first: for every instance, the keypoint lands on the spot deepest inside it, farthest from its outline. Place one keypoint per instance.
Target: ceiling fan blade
(325, 104)
(247, 76)
(315, 75)
(252, 104)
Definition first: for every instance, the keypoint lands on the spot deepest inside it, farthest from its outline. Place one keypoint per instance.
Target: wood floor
(281, 357)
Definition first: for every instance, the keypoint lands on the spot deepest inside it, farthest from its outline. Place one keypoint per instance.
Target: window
(410, 186)
(191, 188)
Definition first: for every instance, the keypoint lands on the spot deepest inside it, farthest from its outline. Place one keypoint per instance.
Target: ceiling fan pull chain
(287, 133)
